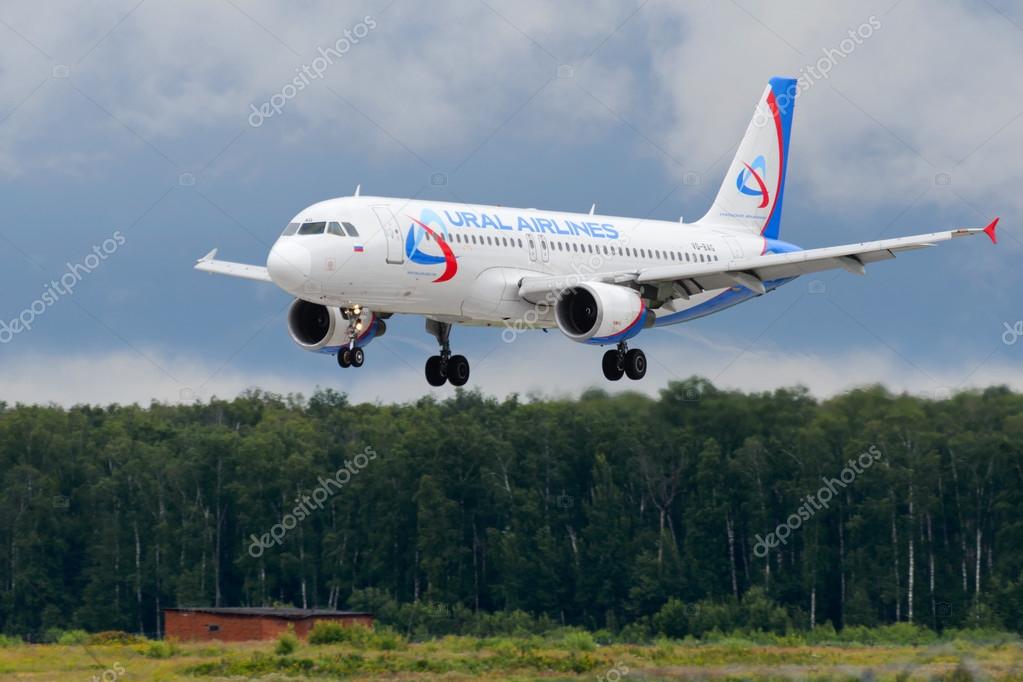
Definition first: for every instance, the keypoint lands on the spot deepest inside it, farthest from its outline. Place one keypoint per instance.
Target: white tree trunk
(909, 560)
(730, 530)
(976, 578)
(813, 607)
(895, 562)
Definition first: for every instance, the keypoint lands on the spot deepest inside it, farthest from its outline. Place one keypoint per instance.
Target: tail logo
(750, 171)
(417, 231)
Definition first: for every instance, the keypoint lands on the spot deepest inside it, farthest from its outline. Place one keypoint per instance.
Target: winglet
(208, 257)
(990, 231)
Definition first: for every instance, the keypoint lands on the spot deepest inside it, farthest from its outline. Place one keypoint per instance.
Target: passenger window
(350, 229)
(312, 228)
(335, 228)
(291, 229)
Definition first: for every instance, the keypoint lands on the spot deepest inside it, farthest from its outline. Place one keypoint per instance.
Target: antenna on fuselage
(358, 188)
(593, 208)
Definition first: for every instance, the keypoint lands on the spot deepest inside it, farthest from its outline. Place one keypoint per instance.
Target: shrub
(326, 632)
(73, 637)
(673, 619)
(578, 640)
(634, 633)
(9, 641)
(286, 643)
(115, 637)
(759, 612)
(386, 639)
(164, 649)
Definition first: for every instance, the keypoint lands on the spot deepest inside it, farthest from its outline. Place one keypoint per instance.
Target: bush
(286, 643)
(758, 611)
(73, 637)
(673, 619)
(634, 633)
(578, 641)
(164, 649)
(326, 632)
(9, 641)
(115, 637)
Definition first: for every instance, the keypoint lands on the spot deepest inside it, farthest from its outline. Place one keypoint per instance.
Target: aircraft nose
(289, 264)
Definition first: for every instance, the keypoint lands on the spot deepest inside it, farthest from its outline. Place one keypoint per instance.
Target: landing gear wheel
(344, 357)
(635, 364)
(458, 370)
(435, 371)
(613, 366)
(358, 357)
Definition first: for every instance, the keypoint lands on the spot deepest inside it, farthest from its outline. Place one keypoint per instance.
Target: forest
(701, 509)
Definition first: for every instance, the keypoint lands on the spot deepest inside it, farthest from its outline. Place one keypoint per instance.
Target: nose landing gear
(445, 366)
(350, 356)
(624, 362)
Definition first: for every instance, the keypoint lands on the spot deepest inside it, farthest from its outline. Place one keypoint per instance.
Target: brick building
(242, 624)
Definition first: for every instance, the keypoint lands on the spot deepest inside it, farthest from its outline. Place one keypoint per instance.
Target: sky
(131, 144)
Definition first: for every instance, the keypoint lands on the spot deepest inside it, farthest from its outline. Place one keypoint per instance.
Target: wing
(208, 263)
(753, 272)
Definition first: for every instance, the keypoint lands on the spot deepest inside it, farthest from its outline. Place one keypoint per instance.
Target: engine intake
(312, 325)
(595, 312)
(316, 327)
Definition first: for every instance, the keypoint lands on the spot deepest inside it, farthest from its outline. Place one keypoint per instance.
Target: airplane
(353, 262)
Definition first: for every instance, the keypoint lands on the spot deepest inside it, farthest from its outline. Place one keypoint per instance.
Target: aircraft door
(532, 246)
(734, 245)
(545, 252)
(392, 232)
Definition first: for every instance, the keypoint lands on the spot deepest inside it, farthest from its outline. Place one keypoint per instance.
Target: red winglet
(990, 231)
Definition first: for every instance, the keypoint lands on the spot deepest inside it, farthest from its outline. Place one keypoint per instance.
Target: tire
(434, 375)
(635, 364)
(344, 358)
(458, 370)
(613, 370)
(358, 357)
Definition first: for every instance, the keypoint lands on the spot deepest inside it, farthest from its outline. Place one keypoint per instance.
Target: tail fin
(750, 196)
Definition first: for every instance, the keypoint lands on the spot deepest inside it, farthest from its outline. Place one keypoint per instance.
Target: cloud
(889, 117)
(127, 377)
(428, 81)
(887, 120)
(393, 372)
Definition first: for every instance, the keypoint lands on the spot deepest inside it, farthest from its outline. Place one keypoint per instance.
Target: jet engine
(595, 312)
(317, 327)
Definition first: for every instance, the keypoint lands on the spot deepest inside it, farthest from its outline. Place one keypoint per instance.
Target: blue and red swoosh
(751, 171)
(417, 256)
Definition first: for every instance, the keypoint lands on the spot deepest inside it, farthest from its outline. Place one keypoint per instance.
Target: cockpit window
(351, 230)
(335, 228)
(291, 229)
(312, 228)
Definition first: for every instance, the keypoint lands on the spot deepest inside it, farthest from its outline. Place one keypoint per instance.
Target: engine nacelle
(316, 327)
(599, 313)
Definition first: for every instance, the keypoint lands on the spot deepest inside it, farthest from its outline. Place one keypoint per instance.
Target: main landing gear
(622, 361)
(445, 367)
(350, 356)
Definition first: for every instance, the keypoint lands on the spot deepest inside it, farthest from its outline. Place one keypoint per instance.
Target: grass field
(527, 658)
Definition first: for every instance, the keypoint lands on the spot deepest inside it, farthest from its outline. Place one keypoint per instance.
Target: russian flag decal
(358, 248)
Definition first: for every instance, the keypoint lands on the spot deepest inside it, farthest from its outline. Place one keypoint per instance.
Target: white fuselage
(463, 263)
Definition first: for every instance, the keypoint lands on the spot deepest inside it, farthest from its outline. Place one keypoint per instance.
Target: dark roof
(286, 613)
